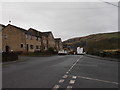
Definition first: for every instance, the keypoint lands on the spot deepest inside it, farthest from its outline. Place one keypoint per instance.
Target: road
(67, 71)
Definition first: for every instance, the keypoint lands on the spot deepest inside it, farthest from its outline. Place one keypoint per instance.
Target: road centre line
(56, 87)
(65, 76)
(67, 72)
(61, 81)
(74, 77)
(74, 64)
(69, 87)
(72, 81)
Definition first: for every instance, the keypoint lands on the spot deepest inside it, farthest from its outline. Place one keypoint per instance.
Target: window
(5, 36)
(27, 36)
(37, 38)
(30, 37)
(31, 46)
(44, 47)
(21, 46)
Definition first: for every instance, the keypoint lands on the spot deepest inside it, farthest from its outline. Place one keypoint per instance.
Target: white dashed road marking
(72, 81)
(65, 76)
(67, 72)
(61, 81)
(74, 77)
(73, 65)
(69, 87)
(56, 87)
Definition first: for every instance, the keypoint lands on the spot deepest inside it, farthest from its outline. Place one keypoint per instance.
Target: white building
(80, 50)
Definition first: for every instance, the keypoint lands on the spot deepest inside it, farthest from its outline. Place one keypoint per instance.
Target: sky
(65, 19)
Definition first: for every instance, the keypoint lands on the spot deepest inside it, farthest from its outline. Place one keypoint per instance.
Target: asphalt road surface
(67, 71)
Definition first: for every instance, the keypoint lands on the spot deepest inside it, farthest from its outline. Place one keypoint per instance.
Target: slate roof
(34, 32)
(46, 34)
(21, 29)
(2, 26)
(58, 39)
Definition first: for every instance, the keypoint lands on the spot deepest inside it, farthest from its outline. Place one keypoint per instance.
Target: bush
(51, 51)
(9, 56)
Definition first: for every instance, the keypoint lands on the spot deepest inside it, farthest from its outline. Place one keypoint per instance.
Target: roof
(34, 32)
(2, 26)
(21, 29)
(58, 39)
(46, 33)
(31, 31)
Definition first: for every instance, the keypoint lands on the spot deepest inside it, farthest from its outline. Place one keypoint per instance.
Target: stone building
(58, 44)
(33, 40)
(43, 39)
(13, 38)
(1, 27)
(17, 39)
(44, 42)
(50, 39)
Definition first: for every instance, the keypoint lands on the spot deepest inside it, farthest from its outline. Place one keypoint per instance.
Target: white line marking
(72, 81)
(61, 81)
(74, 64)
(74, 77)
(68, 87)
(97, 80)
(67, 72)
(56, 87)
(65, 76)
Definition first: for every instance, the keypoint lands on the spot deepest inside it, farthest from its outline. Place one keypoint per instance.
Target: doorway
(27, 47)
(7, 48)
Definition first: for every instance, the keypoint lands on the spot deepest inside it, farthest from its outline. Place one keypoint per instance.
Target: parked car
(63, 52)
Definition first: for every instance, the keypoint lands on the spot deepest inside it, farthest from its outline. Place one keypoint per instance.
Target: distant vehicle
(80, 51)
(62, 52)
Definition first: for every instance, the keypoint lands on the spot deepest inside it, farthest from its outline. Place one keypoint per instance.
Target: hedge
(9, 56)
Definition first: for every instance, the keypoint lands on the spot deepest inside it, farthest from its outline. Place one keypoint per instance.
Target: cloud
(64, 19)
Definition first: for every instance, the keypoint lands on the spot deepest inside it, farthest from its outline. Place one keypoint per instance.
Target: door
(27, 47)
(7, 48)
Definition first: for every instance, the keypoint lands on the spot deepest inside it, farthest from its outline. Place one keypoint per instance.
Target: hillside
(95, 42)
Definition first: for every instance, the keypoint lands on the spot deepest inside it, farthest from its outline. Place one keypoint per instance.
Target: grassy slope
(96, 41)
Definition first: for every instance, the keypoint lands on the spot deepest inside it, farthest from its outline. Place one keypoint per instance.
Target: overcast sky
(65, 19)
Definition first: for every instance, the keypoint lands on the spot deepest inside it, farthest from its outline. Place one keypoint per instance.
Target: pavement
(62, 71)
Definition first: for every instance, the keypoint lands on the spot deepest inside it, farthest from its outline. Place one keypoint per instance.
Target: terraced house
(33, 40)
(17, 39)
(1, 27)
(50, 39)
(58, 44)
